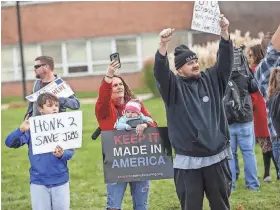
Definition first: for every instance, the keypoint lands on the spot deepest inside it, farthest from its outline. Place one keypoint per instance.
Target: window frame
(138, 59)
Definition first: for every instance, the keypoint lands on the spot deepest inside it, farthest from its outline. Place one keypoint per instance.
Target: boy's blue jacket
(46, 169)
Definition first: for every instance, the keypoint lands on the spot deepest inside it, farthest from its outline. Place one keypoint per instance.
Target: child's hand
(58, 152)
(127, 127)
(25, 126)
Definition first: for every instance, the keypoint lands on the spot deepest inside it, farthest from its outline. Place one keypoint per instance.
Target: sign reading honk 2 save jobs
(63, 129)
(206, 17)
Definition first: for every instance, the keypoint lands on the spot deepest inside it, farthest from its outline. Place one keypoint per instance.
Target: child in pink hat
(132, 116)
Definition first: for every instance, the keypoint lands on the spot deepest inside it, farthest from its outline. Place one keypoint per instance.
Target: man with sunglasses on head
(44, 66)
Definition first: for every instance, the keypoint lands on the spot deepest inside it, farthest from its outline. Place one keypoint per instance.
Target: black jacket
(196, 119)
(274, 112)
(246, 85)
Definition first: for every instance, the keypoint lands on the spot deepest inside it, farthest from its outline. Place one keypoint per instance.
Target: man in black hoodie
(197, 123)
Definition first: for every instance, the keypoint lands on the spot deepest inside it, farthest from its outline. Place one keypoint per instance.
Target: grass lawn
(11, 99)
(88, 191)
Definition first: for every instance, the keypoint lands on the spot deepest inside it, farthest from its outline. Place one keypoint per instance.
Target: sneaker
(267, 179)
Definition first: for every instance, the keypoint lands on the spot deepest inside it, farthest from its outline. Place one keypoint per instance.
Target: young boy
(49, 176)
(132, 116)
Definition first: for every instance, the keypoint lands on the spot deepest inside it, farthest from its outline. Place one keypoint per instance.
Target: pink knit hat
(133, 106)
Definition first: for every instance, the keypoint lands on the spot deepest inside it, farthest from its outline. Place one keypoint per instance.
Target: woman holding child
(116, 101)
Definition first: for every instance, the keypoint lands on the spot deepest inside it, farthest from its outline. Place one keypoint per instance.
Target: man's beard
(38, 76)
(196, 69)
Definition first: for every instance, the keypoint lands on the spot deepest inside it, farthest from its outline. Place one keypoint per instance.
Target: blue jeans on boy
(50, 198)
(242, 134)
(276, 151)
(139, 192)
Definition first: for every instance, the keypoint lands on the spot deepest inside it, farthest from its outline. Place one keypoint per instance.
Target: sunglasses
(39, 65)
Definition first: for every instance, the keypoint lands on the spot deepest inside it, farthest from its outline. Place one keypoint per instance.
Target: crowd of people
(204, 129)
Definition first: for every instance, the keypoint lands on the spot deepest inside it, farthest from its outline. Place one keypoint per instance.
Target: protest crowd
(210, 114)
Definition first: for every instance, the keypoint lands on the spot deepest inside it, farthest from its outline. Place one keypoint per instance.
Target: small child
(49, 175)
(132, 116)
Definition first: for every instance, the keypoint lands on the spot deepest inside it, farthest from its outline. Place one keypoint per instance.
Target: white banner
(58, 87)
(63, 129)
(206, 17)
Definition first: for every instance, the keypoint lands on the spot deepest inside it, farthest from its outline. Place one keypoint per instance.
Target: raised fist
(166, 35)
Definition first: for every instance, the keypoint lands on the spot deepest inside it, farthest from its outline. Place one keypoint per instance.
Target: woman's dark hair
(128, 94)
(274, 82)
(257, 53)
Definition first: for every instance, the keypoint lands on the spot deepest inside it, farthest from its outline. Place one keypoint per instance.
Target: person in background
(274, 104)
(113, 96)
(44, 70)
(260, 117)
(240, 120)
(271, 49)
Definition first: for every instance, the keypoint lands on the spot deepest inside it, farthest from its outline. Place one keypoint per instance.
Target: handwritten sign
(63, 129)
(206, 17)
(128, 157)
(58, 87)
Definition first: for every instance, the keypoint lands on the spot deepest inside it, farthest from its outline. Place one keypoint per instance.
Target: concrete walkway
(141, 97)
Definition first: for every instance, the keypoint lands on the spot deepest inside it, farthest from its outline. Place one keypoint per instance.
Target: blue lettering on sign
(138, 161)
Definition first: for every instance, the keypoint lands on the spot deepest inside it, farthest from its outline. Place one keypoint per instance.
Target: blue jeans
(53, 198)
(139, 192)
(276, 151)
(242, 134)
(237, 169)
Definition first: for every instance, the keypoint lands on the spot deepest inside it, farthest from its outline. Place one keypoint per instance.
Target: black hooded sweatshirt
(196, 120)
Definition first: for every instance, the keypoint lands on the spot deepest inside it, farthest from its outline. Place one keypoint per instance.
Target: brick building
(81, 36)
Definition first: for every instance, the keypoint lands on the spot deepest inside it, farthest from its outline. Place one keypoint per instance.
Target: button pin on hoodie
(205, 99)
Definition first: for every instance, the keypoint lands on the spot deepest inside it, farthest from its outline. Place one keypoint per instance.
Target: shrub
(206, 56)
(149, 79)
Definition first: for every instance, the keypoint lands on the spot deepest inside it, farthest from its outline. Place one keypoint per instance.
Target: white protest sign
(58, 87)
(206, 17)
(63, 129)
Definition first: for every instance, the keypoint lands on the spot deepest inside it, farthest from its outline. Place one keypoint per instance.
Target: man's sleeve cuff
(160, 56)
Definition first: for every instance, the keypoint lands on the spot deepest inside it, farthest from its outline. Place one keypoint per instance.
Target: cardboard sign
(128, 157)
(63, 129)
(206, 17)
(58, 87)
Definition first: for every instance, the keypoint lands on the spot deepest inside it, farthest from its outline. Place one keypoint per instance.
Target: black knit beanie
(183, 55)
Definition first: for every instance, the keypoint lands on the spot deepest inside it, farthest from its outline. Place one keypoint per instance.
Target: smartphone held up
(116, 57)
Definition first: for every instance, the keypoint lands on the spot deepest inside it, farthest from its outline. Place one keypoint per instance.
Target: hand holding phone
(112, 68)
(116, 57)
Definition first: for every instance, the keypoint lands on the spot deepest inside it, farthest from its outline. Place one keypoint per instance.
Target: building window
(7, 64)
(54, 51)
(129, 67)
(100, 68)
(7, 75)
(150, 44)
(7, 57)
(80, 57)
(101, 49)
(30, 52)
(77, 69)
(126, 48)
(76, 52)
(77, 57)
